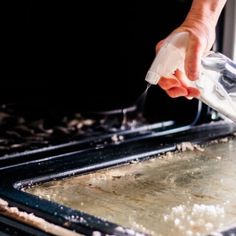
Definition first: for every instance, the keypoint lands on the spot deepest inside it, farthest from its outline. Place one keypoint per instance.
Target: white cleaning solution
(217, 80)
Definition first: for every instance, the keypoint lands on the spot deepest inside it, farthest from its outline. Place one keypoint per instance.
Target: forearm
(207, 11)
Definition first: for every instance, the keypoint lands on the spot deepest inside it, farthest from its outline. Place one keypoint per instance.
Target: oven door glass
(182, 193)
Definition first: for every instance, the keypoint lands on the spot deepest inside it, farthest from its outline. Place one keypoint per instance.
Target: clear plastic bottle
(217, 80)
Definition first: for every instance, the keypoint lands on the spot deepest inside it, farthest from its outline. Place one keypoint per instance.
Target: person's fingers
(168, 83)
(177, 92)
(181, 78)
(159, 44)
(177, 86)
(193, 92)
(193, 58)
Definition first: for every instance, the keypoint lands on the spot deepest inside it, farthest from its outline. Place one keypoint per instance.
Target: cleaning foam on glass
(217, 80)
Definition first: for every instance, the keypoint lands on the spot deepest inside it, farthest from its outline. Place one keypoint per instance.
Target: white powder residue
(169, 155)
(188, 146)
(96, 233)
(224, 140)
(117, 138)
(80, 122)
(128, 231)
(195, 220)
(221, 140)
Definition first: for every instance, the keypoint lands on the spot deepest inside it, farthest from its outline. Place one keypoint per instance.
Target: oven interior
(73, 105)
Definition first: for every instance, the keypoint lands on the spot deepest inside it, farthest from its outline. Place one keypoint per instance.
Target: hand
(201, 28)
(198, 45)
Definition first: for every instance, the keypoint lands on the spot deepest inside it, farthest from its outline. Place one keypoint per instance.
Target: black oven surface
(51, 166)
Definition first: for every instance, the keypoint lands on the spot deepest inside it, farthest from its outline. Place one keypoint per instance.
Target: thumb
(193, 57)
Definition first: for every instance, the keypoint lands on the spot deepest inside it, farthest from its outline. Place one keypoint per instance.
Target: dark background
(87, 55)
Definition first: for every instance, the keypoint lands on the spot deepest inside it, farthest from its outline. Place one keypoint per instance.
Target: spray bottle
(217, 80)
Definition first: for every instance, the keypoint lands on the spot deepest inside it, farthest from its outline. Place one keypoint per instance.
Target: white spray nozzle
(169, 58)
